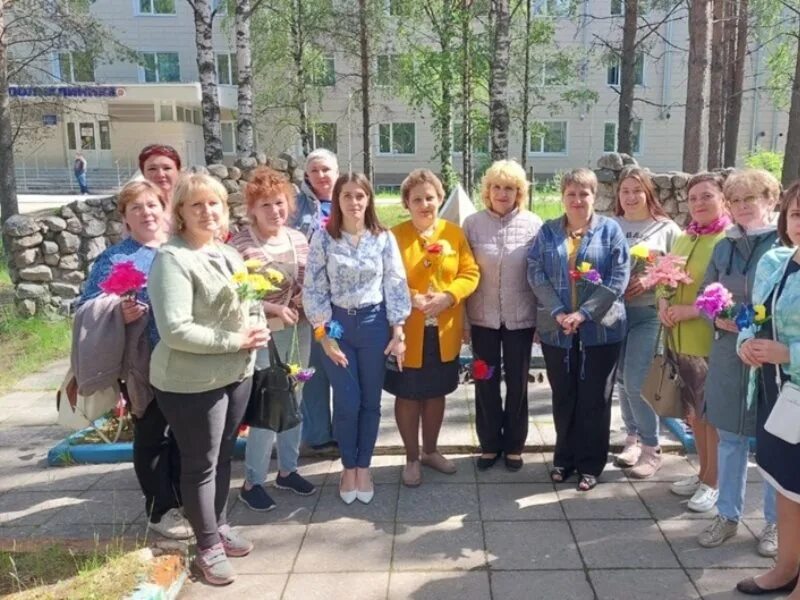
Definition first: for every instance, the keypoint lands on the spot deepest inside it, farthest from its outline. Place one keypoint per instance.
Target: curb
(154, 591)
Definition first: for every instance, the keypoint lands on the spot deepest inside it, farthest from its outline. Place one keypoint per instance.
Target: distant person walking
(79, 168)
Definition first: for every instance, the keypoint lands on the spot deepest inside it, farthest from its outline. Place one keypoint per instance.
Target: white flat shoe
(365, 497)
(349, 497)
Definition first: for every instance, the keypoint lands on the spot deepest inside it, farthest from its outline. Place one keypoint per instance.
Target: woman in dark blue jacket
(579, 268)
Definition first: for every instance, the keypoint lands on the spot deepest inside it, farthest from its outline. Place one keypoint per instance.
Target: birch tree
(500, 22)
(245, 138)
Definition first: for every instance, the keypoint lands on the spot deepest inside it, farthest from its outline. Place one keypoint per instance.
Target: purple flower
(304, 375)
(593, 275)
(714, 300)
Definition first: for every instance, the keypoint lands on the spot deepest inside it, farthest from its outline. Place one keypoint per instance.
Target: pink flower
(665, 274)
(481, 371)
(124, 280)
(714, 300)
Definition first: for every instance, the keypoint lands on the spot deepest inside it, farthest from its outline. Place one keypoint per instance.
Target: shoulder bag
(273, 398)
(663, 386)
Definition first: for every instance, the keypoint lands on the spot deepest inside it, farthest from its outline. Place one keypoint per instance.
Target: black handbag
(273, 398)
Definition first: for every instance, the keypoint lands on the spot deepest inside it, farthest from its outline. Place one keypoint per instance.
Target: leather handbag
(273, 398)
(663, 386)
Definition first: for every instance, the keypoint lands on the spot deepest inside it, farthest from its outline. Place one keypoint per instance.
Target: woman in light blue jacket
(773, 349)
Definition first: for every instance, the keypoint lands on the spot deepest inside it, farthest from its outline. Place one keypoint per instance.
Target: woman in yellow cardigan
(442, 273)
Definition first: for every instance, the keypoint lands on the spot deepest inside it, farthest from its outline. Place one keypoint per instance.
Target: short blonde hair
(752, 182)
(192, 184)
(582, 177)
(131, 191)
(505, 172)
(418, 177)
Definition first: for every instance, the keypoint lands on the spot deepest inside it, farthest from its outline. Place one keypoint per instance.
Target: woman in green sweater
(689, 336)
(202, 367)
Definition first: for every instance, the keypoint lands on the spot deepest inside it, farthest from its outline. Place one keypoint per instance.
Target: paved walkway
(466, 536)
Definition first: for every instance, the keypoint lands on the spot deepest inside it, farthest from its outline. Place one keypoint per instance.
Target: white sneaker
(768, 541)
(685, 487)
(630, 454)
(173, 525)
(704, 499)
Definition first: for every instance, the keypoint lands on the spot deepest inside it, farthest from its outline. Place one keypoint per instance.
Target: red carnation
(434, 248)
(124, 280)
(481, 371)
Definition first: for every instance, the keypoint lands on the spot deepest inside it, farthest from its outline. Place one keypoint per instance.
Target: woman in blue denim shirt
(777, 287)
(355, 276)
(581, 324)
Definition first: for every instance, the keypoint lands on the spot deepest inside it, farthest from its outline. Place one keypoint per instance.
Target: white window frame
(138, 13)
(634, 151)
(391, 58)
(232, 75)
(391, 124)
(143, 75)
(58, 75)
(222, 135)
(618, 67)
(543, 152)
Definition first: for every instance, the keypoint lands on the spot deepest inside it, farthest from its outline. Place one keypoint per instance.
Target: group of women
(372, 310)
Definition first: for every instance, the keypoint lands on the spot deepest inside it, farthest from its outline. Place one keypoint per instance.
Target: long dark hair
(371, 221)
(789, 198)
(653, 205)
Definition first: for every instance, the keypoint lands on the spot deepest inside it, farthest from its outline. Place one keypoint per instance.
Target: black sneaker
(295, 483)
(257, 498)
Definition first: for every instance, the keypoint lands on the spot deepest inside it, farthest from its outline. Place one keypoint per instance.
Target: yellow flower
(259, 283)
(253, 264)
(584, 267)
(640, 251)
(294, 369)
(274, 275)
(761, 313)
(239, 277)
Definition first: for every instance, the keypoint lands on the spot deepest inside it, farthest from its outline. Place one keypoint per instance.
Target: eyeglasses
(749, 201)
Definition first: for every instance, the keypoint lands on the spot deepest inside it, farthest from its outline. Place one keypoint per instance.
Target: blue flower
(334, 330)
(745, 316)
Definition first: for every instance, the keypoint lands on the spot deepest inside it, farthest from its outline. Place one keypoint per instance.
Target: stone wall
(50, 256)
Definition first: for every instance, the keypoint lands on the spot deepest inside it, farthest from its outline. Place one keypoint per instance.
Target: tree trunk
(733, 111)
(526, 90)
(627, 77)
(498, 84)
(716, 94)
(245, 142)
(791, 153)
(297, 28)
(449, 178)
(363, 33)
(203, 23)
(466, 92)
(695, 86)
(8, 182)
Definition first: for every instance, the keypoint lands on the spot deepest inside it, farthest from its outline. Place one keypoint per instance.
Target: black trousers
(582, 381)
(206, 425)
(502, 428)
(156, 461)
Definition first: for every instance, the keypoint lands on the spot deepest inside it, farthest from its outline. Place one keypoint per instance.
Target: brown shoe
(437, 462)
(412, 474)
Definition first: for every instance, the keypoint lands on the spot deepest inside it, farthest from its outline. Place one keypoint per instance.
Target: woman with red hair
(270, 202)
(161, 165)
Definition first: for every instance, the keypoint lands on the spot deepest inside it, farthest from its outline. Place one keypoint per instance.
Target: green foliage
(776, 27)
(767, 160)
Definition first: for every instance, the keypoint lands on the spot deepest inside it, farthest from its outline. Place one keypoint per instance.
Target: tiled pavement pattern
(472, 535)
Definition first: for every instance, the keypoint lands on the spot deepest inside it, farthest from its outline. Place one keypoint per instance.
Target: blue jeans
(316, 407)
(634, 362)
(357, 388)
(732, 454)
(81, 179)
(258, 452)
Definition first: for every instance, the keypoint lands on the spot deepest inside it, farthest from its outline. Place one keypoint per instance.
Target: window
(613, 72)
(87, 136)
(75, 67)
(397, 138)
(159, 67)
(228, 129)
(386, 68)
(180, 114)
(221, 6)
(165, 112)
(156, 7)
(552, 74)
(105, 135)
(552, 8)
(617, 7)
(480, 138)
(323, 135)
(71, 143)
(322, 73)
(610, 137)
(197, 118)
(227, 69)
(399, 8)
(550, 137)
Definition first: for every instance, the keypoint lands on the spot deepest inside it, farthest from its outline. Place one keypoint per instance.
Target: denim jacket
(307, 216)
(605, 247)
(786, 318)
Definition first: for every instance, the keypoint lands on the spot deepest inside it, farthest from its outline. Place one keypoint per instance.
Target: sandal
(560, 474)
(587, 483)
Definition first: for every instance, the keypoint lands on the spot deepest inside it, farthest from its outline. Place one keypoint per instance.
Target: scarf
(717, 225)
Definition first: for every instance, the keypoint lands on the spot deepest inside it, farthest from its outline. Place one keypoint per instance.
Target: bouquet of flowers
(665, 274)
(749, 315)
(641, 256)
(253, 285)
(332, 330)
(585, 272)
(715, 301)
(124, 280)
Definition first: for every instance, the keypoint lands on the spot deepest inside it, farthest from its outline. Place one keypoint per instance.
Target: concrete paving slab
(720, 584)
(635, 584)
(623, 544)
(114, 507)
(326, 586)
(519, 502)
(34, 508)
(314, 469)
(737, 552)
(754, 501)
(664, 505)
(385, 468)
(673, 468)
(465, 465)
(340, 547)
(290, 508)
(331, 507)
(121, 478)
(606, 501)
(275, 548)
(10, 536)
(541, 585)
(534, 469)
(451, 545)
(261, 586)
(531, 545)
(67, 479)
(103, 532)
(439, 586)
(438, 502)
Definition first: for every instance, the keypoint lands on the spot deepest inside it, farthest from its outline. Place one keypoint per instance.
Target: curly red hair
(267, 183)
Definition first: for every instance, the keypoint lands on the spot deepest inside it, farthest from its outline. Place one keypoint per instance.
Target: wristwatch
(401, 337)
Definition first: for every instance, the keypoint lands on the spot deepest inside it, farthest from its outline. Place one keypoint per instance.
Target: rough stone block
(628, 160)
(248, 162)
(54, 223)
(109, 204)
(65, 290)
(81, 207)
(94, 227)
(236, 198)
(230, 186)
(68, 242)
(114, 228)
(27, 257)
(20, 226)
(36, 273)
(278, 164)
(69, 262)
(198, 169)
(29, 241)
(679, 180)
(94, 247)
(606, 176)
(290, 160)
(611, 160)
(26, 308)
(261, 158)
(49, 247)
(235, 173)
(219, 171)
(72, 277)
(67, 213)
(74, 225)
(51, 259)
(31, 291)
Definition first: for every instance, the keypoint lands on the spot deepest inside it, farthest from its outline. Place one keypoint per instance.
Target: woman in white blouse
(355, 278)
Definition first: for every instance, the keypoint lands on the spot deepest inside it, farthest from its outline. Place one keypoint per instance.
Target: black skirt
(432, 380)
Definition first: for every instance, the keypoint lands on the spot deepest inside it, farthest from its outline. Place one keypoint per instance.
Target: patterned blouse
(349, 276)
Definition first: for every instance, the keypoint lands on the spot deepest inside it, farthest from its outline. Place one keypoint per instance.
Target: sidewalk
(466, 536)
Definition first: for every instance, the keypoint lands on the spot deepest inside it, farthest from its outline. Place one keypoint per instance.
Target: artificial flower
(294, 368)
(253, 264)
(124, 280)
(749, 316)
(274, 275)
(481, 370)
(760, 314)
(319, 332)
(665, 274)
(334, 330)
(640, 251)
(120, 408)
(435, 248)
(585, 272)
(584, 267)
(304, 375)
(715, 301)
